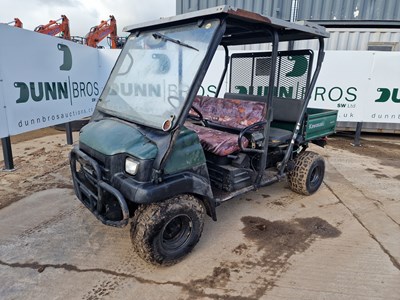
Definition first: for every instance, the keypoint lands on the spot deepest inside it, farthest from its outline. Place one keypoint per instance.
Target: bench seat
(231, 114)
(217, 142)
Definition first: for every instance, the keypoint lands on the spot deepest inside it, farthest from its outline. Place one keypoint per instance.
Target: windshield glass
(154, 72)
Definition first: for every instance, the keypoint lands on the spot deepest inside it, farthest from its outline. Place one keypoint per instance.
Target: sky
(84, 14)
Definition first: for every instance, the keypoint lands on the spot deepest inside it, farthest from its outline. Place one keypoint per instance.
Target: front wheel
(163, 233)
(308, 173)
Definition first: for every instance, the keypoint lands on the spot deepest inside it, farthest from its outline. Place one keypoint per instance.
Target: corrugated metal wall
(343, 39)
(349, 10)
(274, 8)
(355, 38)
(308, 9)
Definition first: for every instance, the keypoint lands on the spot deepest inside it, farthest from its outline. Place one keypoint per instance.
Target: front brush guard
(93, 199)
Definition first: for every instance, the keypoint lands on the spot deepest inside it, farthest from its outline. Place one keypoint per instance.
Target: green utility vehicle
(157, 153)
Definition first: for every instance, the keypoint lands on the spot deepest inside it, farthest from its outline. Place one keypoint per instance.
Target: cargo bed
(319, 123)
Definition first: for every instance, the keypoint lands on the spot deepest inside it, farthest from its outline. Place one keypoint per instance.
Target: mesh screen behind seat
(250, 73)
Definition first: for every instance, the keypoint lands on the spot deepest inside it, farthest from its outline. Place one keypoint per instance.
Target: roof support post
(269, 113)
(289, 150)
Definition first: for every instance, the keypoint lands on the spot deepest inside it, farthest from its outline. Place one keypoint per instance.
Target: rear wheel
(164, 232)
(308, 173)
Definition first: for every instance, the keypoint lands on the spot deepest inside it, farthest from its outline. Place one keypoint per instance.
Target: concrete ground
(343, 242)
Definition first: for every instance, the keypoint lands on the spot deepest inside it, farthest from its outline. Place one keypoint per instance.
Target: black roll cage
(240, 27)
(269, 98)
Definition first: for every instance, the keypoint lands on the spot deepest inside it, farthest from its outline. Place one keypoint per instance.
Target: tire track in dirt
(51, 221)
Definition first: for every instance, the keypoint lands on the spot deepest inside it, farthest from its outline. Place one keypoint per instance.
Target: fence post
(7, 153)
(357, 135)
(68, 131)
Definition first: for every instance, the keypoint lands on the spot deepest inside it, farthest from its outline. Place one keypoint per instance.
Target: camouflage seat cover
(218, 142)
(237, 114)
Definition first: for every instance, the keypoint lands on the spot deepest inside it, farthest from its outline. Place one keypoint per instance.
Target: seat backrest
(230, 112)
(287, 110)
(284, 109)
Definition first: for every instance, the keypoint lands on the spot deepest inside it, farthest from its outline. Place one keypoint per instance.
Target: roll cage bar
(240, 27)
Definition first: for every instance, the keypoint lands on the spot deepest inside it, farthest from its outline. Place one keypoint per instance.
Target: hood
(110, 137)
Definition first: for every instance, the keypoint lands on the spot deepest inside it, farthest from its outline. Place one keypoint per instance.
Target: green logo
(386, 93)
(300, 66)
(67, 57)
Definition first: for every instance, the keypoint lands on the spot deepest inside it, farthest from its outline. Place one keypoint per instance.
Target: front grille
(103, 161)
(99, 157)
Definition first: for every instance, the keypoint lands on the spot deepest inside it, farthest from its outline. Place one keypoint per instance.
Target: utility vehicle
(161, 156)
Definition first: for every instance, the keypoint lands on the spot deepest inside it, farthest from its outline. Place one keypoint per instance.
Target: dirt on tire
(149, 220)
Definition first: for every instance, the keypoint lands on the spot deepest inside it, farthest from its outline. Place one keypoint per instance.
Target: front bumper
(93, 195)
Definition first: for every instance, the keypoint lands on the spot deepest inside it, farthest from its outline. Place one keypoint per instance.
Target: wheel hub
(176, 232)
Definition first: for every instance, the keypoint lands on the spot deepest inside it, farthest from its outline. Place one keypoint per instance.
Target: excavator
(17, 23)
(55, 27)
(99, 32)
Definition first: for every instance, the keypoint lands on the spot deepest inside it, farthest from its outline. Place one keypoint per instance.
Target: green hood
(111, 137)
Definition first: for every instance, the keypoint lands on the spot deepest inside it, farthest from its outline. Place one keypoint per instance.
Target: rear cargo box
(319, 123)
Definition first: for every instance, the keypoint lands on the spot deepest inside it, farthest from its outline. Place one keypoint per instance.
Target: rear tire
(308, 173)
(163, 233)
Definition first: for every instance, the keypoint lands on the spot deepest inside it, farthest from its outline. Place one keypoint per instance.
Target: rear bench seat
(284, 110)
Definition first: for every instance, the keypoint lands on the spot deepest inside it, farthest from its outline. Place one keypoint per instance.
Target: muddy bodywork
(98, 170)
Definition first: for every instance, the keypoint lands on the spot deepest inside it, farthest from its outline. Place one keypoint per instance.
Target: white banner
(3, 118)
(47, 80)
(382, 104)
(362, 85)
(342, 84)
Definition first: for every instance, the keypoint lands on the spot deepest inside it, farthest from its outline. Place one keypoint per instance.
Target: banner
(3, 118)
(362, 85)
(382, 104)
(47, 80)
(342, 85)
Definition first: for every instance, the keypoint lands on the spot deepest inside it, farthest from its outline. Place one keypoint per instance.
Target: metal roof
(243, 27)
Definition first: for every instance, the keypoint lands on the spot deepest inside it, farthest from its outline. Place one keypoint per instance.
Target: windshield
(154, 72)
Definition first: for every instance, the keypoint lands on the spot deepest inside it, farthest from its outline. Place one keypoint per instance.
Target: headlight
(131, 166)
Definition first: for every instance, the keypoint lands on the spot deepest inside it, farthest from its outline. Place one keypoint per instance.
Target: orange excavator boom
(55, 27)
(17, 23)
(99, 32)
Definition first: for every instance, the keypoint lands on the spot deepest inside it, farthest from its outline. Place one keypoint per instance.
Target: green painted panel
(111, 137)
(187, 153)
(320, 123)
